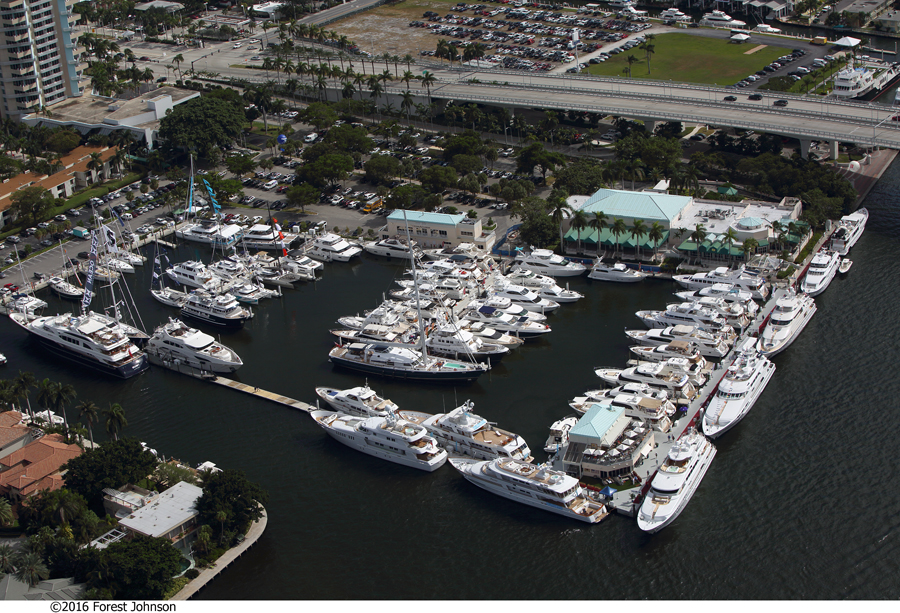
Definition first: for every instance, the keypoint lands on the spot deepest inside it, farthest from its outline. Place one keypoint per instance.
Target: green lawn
(691, 59)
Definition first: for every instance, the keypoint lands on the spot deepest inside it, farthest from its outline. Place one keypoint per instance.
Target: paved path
(207, 574)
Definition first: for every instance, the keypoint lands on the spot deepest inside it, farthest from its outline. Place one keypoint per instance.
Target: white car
(238, 45)
(270, 185)
(311, 137)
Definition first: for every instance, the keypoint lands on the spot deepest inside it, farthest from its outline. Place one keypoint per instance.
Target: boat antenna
(418, 297)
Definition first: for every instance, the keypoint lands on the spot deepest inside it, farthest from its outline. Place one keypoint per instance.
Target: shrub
(784, 274)
(192, 574)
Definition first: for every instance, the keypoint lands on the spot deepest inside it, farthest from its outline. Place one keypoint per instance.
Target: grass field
(691, 59)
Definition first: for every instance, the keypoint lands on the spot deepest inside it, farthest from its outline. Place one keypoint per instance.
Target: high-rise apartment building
(38, 65)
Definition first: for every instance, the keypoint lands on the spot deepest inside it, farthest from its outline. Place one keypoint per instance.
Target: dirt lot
(386, 28)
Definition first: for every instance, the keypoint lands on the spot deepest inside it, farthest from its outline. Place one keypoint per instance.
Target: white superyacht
(675, 481)
(360, 401)
(545, 262)
(536, 486)
(737, 392)
(741, 277)
(178, 343)
(388, 438)
(849, 229)
(791, 314)
(710, 345)
(821, 272)
(616, 272)
(332, 248)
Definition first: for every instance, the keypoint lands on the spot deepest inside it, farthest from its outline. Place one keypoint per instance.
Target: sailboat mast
(416, 286)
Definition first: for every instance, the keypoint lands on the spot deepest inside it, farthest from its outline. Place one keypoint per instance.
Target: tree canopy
(112, 464)
(231, 493)
(138, 569)
(436, 179)
(382, 168)
(202, 125)
(534, 156)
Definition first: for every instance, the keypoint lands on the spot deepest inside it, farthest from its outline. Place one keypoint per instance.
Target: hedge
(102, 190)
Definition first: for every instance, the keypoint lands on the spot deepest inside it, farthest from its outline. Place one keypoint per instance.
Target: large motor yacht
(559, 434)
(360, 401)
(734, 313)
(542, 285)
(545, 262)
(387, 438)
(857, 81)
(675, 481)
(222, 310)
(685, 313)
(536, 486)
(617, 272)
(521, 327)
(450, 341)
(509, 307)
(209, 232)
(791, 314)
(92, 340)
(391, 248)
(822, 269)
(525, 298)
(463, 432)
(742, 278)
(710, 345)
(175, 342)
(264, 236)
(737, 392)
(671, 375)
(725, 291)
(403, 363)
(194, 273)
(490, 335)
(675, 349)
(332, 248)
(638, 400)
(849, 229)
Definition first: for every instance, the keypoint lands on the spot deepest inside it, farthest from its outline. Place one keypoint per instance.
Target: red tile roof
(36, 466)
(10, 430)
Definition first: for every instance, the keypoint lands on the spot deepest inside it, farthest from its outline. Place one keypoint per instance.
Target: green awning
(728, 191)
(587, 236)
(649, 244)
(705, 247)
(687, 245)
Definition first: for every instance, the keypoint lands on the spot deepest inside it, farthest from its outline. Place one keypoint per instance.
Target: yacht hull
(685, 497)
(125, 371)
(463, 376)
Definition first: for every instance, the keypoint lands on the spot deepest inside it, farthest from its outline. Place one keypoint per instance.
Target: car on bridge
(730, 98)
(780, 103)
(755, 97)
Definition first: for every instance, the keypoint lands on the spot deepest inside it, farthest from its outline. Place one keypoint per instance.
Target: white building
(437, 230)
(268, 10)
(171, 515)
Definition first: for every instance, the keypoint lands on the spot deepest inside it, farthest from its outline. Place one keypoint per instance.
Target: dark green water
(800, 502)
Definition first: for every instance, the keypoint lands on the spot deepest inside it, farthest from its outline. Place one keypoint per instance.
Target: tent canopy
(740, 37)
(847, 41)
(728, 191)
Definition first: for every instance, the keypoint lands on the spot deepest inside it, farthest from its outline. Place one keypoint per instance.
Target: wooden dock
(265, 395)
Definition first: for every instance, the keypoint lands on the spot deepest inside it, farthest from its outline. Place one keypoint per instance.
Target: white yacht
(400, 333)
(26, 303)
(222, 310)
(620, 4)
(673, 14)
(64, 289)
(264, 236)
(403, 363)
(332, 248)
(194, 273)
(450, 341)
(297, 261)
(536, 486)
(177, 343)
(674, 349)
(791, 314)
(92, 340)
(509, 307)
(742, 278)
(545, 262)
(387, 438)
(251, 293)
(734, 313)
(849, 229)
(525, 298)
(858, 81)
(684, 313)
(209, 232)
(821, 271)
(391, 248)
(446, 269)
(725, 291)
(359, 401)
(488, 334)
(169, 297)
(670, 375)
(559, 434)
(542, 285)
(521, 327)
(463, 432)
(617, 272)
(675, 481)
(710, 345)
(745, 380)
(114, 263)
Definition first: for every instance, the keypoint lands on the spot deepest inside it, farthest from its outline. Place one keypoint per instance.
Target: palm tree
(409, 60)
(442, 50)
(631, 60)
(6, 519)
(578, 223)
(598, 222)
(204, 538)
(638, 231)
(558, 207)
(62, 394)
(89, 412)
(749, 246)
(618, 229)
(729, 238)
(177, 60)
(407, 77)
(95, 163)
(30, 569)
(22, 384)
(115, 419)
(7, 557)
(634, 168)
(649, 48)
(221, 516)
(406, 102)
(655, 234)
(428, 79)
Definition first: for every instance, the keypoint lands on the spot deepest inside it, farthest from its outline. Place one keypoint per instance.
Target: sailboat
(403, 362)
(167, 295)
(61, 287)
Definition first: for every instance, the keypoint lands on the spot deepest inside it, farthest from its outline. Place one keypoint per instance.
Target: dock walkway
(265, 395)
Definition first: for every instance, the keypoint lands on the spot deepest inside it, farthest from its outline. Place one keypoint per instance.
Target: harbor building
(39, 65)
(679, 217)
(140, 115)
(437, 230)
(606, 444)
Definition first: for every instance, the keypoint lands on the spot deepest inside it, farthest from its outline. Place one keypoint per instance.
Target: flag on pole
(110, 238)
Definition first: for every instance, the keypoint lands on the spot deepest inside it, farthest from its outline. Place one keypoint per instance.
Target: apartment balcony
(17, 38)
(10, 5)
(14, 21)
(21, 72)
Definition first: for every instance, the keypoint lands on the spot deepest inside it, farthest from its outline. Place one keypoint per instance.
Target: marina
(525, 409)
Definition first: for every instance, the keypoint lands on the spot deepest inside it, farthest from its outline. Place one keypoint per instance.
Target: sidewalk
(208, 574)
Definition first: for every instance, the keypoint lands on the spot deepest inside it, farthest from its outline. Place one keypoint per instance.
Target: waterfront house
(36, 467)
(13, 433)
(171, 514)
